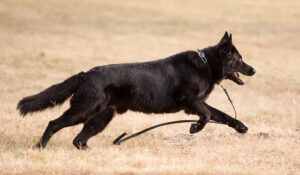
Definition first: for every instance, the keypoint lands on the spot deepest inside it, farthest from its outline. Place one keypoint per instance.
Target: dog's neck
(214, 64)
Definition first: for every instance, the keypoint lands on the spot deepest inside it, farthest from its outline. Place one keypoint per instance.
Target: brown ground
(44, 42)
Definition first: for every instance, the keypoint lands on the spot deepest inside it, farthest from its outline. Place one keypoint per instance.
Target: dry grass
(44, 42)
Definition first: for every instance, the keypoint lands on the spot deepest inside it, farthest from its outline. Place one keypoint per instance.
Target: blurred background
(44, 42)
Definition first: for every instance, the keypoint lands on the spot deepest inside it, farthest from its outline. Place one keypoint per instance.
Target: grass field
(44, 42)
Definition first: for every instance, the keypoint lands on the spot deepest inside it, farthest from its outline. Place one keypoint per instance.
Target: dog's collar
(202, 55)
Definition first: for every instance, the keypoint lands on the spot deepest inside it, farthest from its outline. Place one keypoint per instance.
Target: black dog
(179, 82)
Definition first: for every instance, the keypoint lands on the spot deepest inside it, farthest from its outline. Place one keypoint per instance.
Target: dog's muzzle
(251, 72)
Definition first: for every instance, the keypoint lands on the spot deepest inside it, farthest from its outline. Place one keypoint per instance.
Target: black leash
(120, 139)
(231, 102)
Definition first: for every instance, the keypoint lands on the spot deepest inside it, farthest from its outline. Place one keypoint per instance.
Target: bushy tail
(50, 97)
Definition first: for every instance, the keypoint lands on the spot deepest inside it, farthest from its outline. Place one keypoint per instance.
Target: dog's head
(232, 61)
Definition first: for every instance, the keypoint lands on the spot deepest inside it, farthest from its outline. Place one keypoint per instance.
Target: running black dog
(179, 82)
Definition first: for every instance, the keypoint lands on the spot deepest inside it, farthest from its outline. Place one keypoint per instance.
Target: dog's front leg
(201, 110)
(221, 117)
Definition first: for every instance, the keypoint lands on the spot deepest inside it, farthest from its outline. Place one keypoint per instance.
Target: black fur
(50, 97)
(179, 82)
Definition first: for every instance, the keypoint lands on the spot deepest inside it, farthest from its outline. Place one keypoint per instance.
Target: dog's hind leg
(77, 113)
(221, 117)
(71, 117)
(92, 127)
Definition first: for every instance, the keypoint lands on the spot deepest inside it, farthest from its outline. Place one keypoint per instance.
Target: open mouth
(235, 76)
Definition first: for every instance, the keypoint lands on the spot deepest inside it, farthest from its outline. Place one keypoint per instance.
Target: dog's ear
(224, 38)
(225, 45)
(230, 40)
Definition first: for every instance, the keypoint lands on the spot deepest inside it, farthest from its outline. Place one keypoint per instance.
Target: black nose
(251, 72)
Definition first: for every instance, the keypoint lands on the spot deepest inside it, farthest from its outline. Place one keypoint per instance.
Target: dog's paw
(196, 127)
(81, 146)
(39, 145)
(240, 127)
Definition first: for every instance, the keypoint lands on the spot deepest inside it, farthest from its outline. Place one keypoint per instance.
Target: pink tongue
(237, 74)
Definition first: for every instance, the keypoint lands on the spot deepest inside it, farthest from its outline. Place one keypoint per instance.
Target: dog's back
(149, 87)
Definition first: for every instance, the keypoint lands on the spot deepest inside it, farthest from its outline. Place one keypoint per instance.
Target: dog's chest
(204, 90)
(193, 91)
